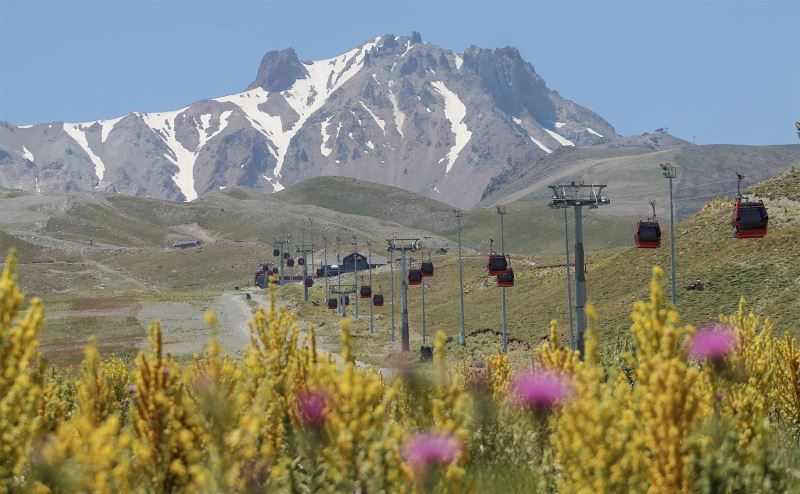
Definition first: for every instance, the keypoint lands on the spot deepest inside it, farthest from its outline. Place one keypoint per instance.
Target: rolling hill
(634, 177)
(100, 251)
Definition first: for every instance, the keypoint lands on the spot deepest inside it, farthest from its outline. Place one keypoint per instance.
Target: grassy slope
(764, 271)
(350, 196)
(530, 227)
(634, 177)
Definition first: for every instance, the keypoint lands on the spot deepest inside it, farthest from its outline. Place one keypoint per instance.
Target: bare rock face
(278, 71)
(395, 110)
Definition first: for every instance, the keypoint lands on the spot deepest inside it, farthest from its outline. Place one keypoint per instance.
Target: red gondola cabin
(427, 269)
(506, 280)
(750, 219)
(497, 264)
(365, 291)
(414, 277)
(648, 235)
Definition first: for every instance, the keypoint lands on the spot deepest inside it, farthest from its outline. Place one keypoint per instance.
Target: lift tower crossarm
(404, 245)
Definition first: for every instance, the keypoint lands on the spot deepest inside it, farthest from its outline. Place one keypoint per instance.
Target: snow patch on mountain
(269, 125)
(323, 148)
(409, 46)
(26, 152)
(163, 124)
(593, 132)
(306, 96)
(24, 126)
(381, 123)
(540, 144)
(399, 116)
(561, 139)
(454, 111)
(78, 133)
(535, 140)
(209, 134)
(459, 62)
(560, 124)
(106, 126)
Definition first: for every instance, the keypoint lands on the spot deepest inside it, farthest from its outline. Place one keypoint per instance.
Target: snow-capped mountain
(394, 110)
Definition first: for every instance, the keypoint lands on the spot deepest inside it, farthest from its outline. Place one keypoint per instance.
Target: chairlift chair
(750, 218)
(648, 232)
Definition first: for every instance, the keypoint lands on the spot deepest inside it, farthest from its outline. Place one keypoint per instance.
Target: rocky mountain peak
(279, 69)
(512, 82)
(393, 110)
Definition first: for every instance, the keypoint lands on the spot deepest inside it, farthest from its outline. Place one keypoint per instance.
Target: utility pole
(569, 284)
(670, 172)
(311, 230)
(369, 267)
(355, 274)
(283, 249)
(303, 250)
(462, 336)
(572, 195)
(424, 327)
(289, 250)
(324, 270)
(339, 278)
(501, 210)
(391, 277)
(404, 245)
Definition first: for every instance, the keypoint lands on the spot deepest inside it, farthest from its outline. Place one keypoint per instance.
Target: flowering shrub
(286, 418)
(541, 391)
(713, 343)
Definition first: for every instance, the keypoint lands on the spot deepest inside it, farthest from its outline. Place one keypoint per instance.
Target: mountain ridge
(394, 110)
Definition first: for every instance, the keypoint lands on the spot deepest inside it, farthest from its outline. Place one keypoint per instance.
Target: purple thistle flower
(424, 450)
(541, 390)
(312, 407)
(713, 343)
(131, 388)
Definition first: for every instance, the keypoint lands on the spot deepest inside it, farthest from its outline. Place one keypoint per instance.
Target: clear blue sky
(725, 71)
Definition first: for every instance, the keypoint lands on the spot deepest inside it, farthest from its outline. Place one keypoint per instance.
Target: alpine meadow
(257, 247)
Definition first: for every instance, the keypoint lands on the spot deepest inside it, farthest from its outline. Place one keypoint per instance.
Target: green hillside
(350, 196)
(764, 271)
